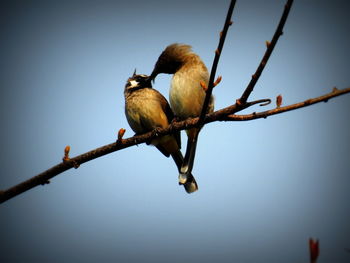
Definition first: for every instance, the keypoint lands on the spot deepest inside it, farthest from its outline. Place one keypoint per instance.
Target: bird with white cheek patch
(146, 109)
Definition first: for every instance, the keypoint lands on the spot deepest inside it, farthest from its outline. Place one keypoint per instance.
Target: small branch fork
(278, 109)
(225, 114)
(269, 48)
(191, 148)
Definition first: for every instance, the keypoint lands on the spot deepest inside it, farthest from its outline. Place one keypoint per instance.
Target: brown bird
(186, 93)
(146, 109)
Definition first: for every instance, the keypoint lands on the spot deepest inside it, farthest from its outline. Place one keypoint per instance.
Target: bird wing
(170, 115)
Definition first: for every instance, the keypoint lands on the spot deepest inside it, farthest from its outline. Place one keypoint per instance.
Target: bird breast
(144, 111)
(186, 94)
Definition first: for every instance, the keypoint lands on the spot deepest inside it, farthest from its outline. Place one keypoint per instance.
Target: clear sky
(265, 186)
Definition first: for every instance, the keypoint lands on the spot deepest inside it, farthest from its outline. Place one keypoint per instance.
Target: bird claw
(175, 119)
(156, 131)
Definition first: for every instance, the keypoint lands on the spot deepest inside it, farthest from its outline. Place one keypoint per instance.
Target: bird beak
(153, 76)
(149, 82)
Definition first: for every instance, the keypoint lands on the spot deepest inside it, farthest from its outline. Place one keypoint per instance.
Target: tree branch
(225, 114)
(270, 46)
(191, 145)
(278, 110)
(218, 51)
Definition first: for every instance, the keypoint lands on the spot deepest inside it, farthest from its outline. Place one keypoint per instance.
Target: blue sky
(265, 186)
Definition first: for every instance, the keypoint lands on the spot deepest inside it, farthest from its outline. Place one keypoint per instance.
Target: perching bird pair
(147, 109)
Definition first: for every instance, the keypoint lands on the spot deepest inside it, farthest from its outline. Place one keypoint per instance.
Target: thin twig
(218, 51)
(268, 52)
(225, 114)
(278, 110)
(188, 162)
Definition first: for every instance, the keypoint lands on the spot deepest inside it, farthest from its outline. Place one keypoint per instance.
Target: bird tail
(187, 180)
(192, 134)
(187, 164)
(190, 185)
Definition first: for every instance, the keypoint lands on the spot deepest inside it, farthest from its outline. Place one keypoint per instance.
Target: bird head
(137, 81)
(171, 59)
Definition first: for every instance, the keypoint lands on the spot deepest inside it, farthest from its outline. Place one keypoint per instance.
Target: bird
(186, 94)
(147, 109)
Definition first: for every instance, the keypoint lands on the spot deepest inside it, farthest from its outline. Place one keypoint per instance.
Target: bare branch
(225, 114)
(278, 110)
(191, 148)
(269, 48)
(218, 51)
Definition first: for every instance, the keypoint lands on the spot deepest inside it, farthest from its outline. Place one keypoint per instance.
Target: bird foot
(175, 119)
(156, 131)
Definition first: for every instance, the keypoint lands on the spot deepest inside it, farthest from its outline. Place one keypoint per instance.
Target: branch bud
(217, 81)
(203, 85)
(314, 250)
(66, 153)
(279, 101)
(121, 133)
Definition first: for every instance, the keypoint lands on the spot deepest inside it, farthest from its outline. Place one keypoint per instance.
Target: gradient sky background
(266, 186)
